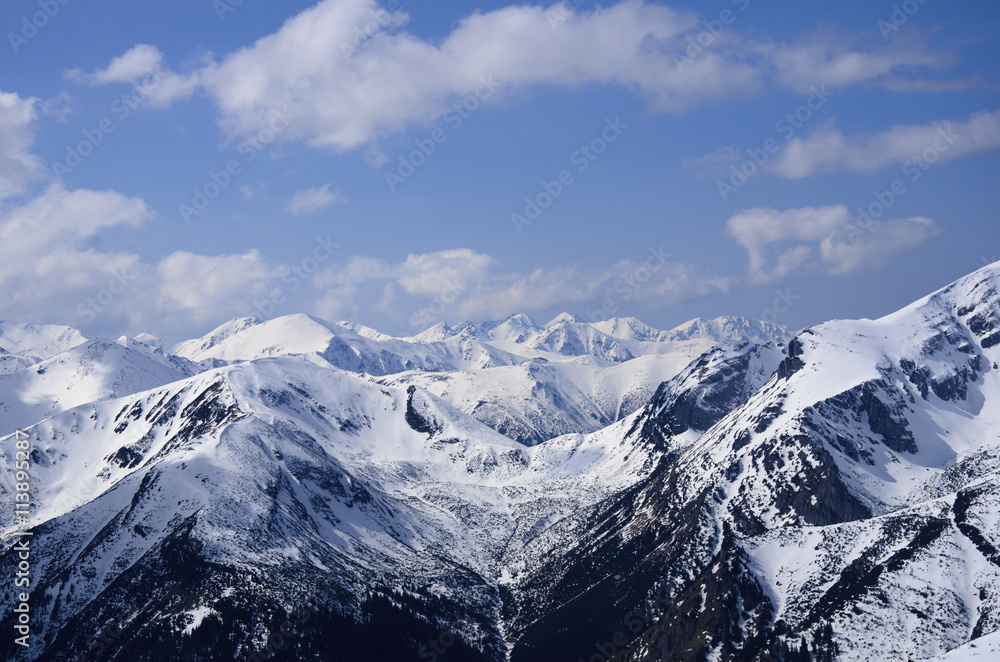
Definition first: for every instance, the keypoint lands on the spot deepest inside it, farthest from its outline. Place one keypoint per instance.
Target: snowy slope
(538, 399)
(733, 329)
(280, 467)
(90, 372)
(717, 495)
(718, 330)
(528, 381)
(198, 346)
(984, 649)
(22, 345)
(339, 346)
(856, 488)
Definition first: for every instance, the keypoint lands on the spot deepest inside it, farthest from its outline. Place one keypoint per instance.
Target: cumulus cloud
(52, 271)
(431, 273)
(18, 165)
(779, 243)
(312, 199)
(142, 66)
(829, 149)
(205, 287)
(350, 73)
(876, 247)
(461, 284)
(49, 272)
(139, 61)
(44, 270)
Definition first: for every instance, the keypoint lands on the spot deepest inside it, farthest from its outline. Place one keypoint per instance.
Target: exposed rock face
(837, 498)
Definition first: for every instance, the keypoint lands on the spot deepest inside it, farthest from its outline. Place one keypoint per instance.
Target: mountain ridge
(837, 489)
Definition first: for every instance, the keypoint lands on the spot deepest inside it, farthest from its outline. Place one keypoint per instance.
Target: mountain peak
(629, 328)
(564, 318)
(191, 348)
(439, 331)
(729, 329)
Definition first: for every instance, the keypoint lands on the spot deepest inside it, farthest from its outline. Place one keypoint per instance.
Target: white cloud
(433, 273)
(143, 67)
(826, 59)
(208, 288)
(462, 284)
(757, 229)
(345, 91)
(781, 242)
(396, 79)
(829, 149)
(313, 199)
(18, 165)
(51, 271)
(60, 106)
(715, 163)
(375, 157)
(876, 247)
(44, 271)
(139, 61)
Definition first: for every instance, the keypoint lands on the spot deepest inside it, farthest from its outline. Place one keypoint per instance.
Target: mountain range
(296, 489)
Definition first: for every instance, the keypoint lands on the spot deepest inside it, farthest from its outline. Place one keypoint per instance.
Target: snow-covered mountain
(93, 371)
(849, 504)
(511, 491)
(339, 346)
(720, 329)
(529, 381)
(23, 345)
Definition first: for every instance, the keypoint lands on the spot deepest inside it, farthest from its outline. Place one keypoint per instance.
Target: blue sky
(116, 118)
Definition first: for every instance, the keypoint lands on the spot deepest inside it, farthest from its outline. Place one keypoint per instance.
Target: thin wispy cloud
(828, 149)
(310, 200)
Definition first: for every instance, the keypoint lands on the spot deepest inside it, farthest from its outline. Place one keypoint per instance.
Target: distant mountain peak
(439, 331)
(729, 328)
(564, 318)
(191, 348)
